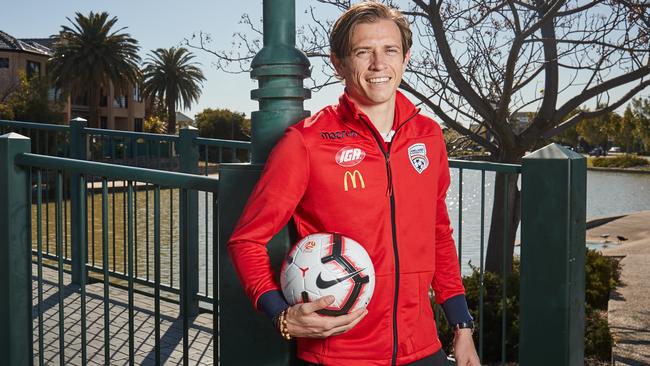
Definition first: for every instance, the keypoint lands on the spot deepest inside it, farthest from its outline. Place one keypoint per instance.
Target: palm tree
(170, 75)
(92, 54)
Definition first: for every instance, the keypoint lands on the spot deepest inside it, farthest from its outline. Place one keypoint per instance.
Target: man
(390, 197)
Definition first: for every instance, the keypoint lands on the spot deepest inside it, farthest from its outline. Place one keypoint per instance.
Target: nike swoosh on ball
(323, 284)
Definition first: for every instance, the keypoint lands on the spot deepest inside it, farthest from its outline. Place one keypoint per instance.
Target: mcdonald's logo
(352, 176)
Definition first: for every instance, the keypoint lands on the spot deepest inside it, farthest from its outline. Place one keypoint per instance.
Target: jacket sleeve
(269, 208)
(446, 280)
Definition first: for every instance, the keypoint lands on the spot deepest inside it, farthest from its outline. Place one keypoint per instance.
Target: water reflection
(631, 195)
(143, 235)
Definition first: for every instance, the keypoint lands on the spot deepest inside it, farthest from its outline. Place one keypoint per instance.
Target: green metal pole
(78, 145)
(189, 228)
(247, 337)
(280, 69)
(552, 288)
(15, 254)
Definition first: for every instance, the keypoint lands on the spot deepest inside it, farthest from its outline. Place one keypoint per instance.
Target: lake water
(608, 194)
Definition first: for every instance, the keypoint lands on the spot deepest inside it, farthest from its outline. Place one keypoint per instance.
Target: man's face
(373, 69)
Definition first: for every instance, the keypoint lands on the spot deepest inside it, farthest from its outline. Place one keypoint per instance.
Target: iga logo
(349, 156)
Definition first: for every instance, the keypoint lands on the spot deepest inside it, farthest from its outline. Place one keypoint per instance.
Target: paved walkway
(171, 331)
(629, 304)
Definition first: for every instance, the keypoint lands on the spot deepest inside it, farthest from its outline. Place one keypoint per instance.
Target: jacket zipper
(386, 154)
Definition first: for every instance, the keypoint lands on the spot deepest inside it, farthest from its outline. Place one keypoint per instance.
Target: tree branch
(591, 114)
(448, 121)
(576, 101)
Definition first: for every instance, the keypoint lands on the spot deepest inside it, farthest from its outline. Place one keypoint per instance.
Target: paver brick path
(629, 304)
(171, 327)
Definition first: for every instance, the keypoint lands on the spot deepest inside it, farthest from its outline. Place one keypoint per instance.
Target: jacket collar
(350, 112)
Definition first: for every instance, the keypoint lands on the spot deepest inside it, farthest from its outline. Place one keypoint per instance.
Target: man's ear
(407, 57)
(338, 65)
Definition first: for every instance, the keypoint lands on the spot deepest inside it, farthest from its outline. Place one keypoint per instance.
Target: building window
(103, 98)
(80, 99)
(103, 122)
(137, 125)
(121, 102)
(4, 63)
(136, 94)
(33, 69)
(53, 94)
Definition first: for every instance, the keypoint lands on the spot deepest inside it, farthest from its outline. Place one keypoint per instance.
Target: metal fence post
(280, 69)
(552, 291)
(78, 148)
(189, 226)
(15, 254)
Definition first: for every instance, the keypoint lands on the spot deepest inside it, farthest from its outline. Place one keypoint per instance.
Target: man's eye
(392, 51)
(362, 53)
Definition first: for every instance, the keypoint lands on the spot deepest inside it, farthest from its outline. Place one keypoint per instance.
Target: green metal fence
(33, 166)
(185, 152)
(458, 169)
(150, 150)
(132, 254)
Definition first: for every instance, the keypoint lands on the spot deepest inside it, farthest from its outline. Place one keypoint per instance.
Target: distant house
(183, 120)
(521, 120)
(28, 56)
(480, 130)
(120, 112)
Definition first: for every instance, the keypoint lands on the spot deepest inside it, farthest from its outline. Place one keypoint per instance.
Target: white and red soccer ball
(323, 264)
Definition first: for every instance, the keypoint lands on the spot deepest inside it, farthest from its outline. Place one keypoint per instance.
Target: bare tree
(480, 62)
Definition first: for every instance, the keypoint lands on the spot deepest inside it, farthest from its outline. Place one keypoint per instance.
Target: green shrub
(621, 161)
(602, 275)
(492, 313)
(598, 338)
(6, 112)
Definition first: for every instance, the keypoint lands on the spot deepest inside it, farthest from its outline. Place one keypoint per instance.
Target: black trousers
(437, 359)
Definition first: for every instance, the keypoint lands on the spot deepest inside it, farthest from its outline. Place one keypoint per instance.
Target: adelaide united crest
(418, 157)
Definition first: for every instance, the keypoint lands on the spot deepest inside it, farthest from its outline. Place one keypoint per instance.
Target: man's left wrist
(463, 327)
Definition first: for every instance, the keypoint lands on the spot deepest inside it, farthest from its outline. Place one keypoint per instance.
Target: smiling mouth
(380, 80)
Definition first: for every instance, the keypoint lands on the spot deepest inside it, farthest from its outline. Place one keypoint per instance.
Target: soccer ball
(325, 264)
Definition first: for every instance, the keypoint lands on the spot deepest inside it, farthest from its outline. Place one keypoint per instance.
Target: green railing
(458, 168)
(185, 152)
(31, 166)
(149, 150)
(544, 215)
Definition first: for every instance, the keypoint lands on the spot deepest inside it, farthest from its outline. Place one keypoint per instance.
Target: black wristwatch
(463, 325)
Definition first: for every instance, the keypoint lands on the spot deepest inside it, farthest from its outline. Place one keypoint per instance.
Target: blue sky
(166, 23)
(162, 23)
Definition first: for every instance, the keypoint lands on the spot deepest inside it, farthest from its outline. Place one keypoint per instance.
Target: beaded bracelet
(282, 325)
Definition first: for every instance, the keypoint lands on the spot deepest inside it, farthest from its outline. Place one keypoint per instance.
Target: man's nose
(378, 61)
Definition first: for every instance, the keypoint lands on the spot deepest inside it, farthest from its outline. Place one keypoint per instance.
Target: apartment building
(16, 56)
(117, 111)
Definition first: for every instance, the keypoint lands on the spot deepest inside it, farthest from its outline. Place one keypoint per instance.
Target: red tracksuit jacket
(333, 172)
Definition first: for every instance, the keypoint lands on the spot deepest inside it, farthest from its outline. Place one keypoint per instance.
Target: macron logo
(349, 156)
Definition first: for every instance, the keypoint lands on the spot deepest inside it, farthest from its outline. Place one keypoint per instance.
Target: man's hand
(303, 321)
(464, 350)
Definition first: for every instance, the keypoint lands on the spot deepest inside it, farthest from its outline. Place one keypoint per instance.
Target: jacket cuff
(272, 303)
(456, 310)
